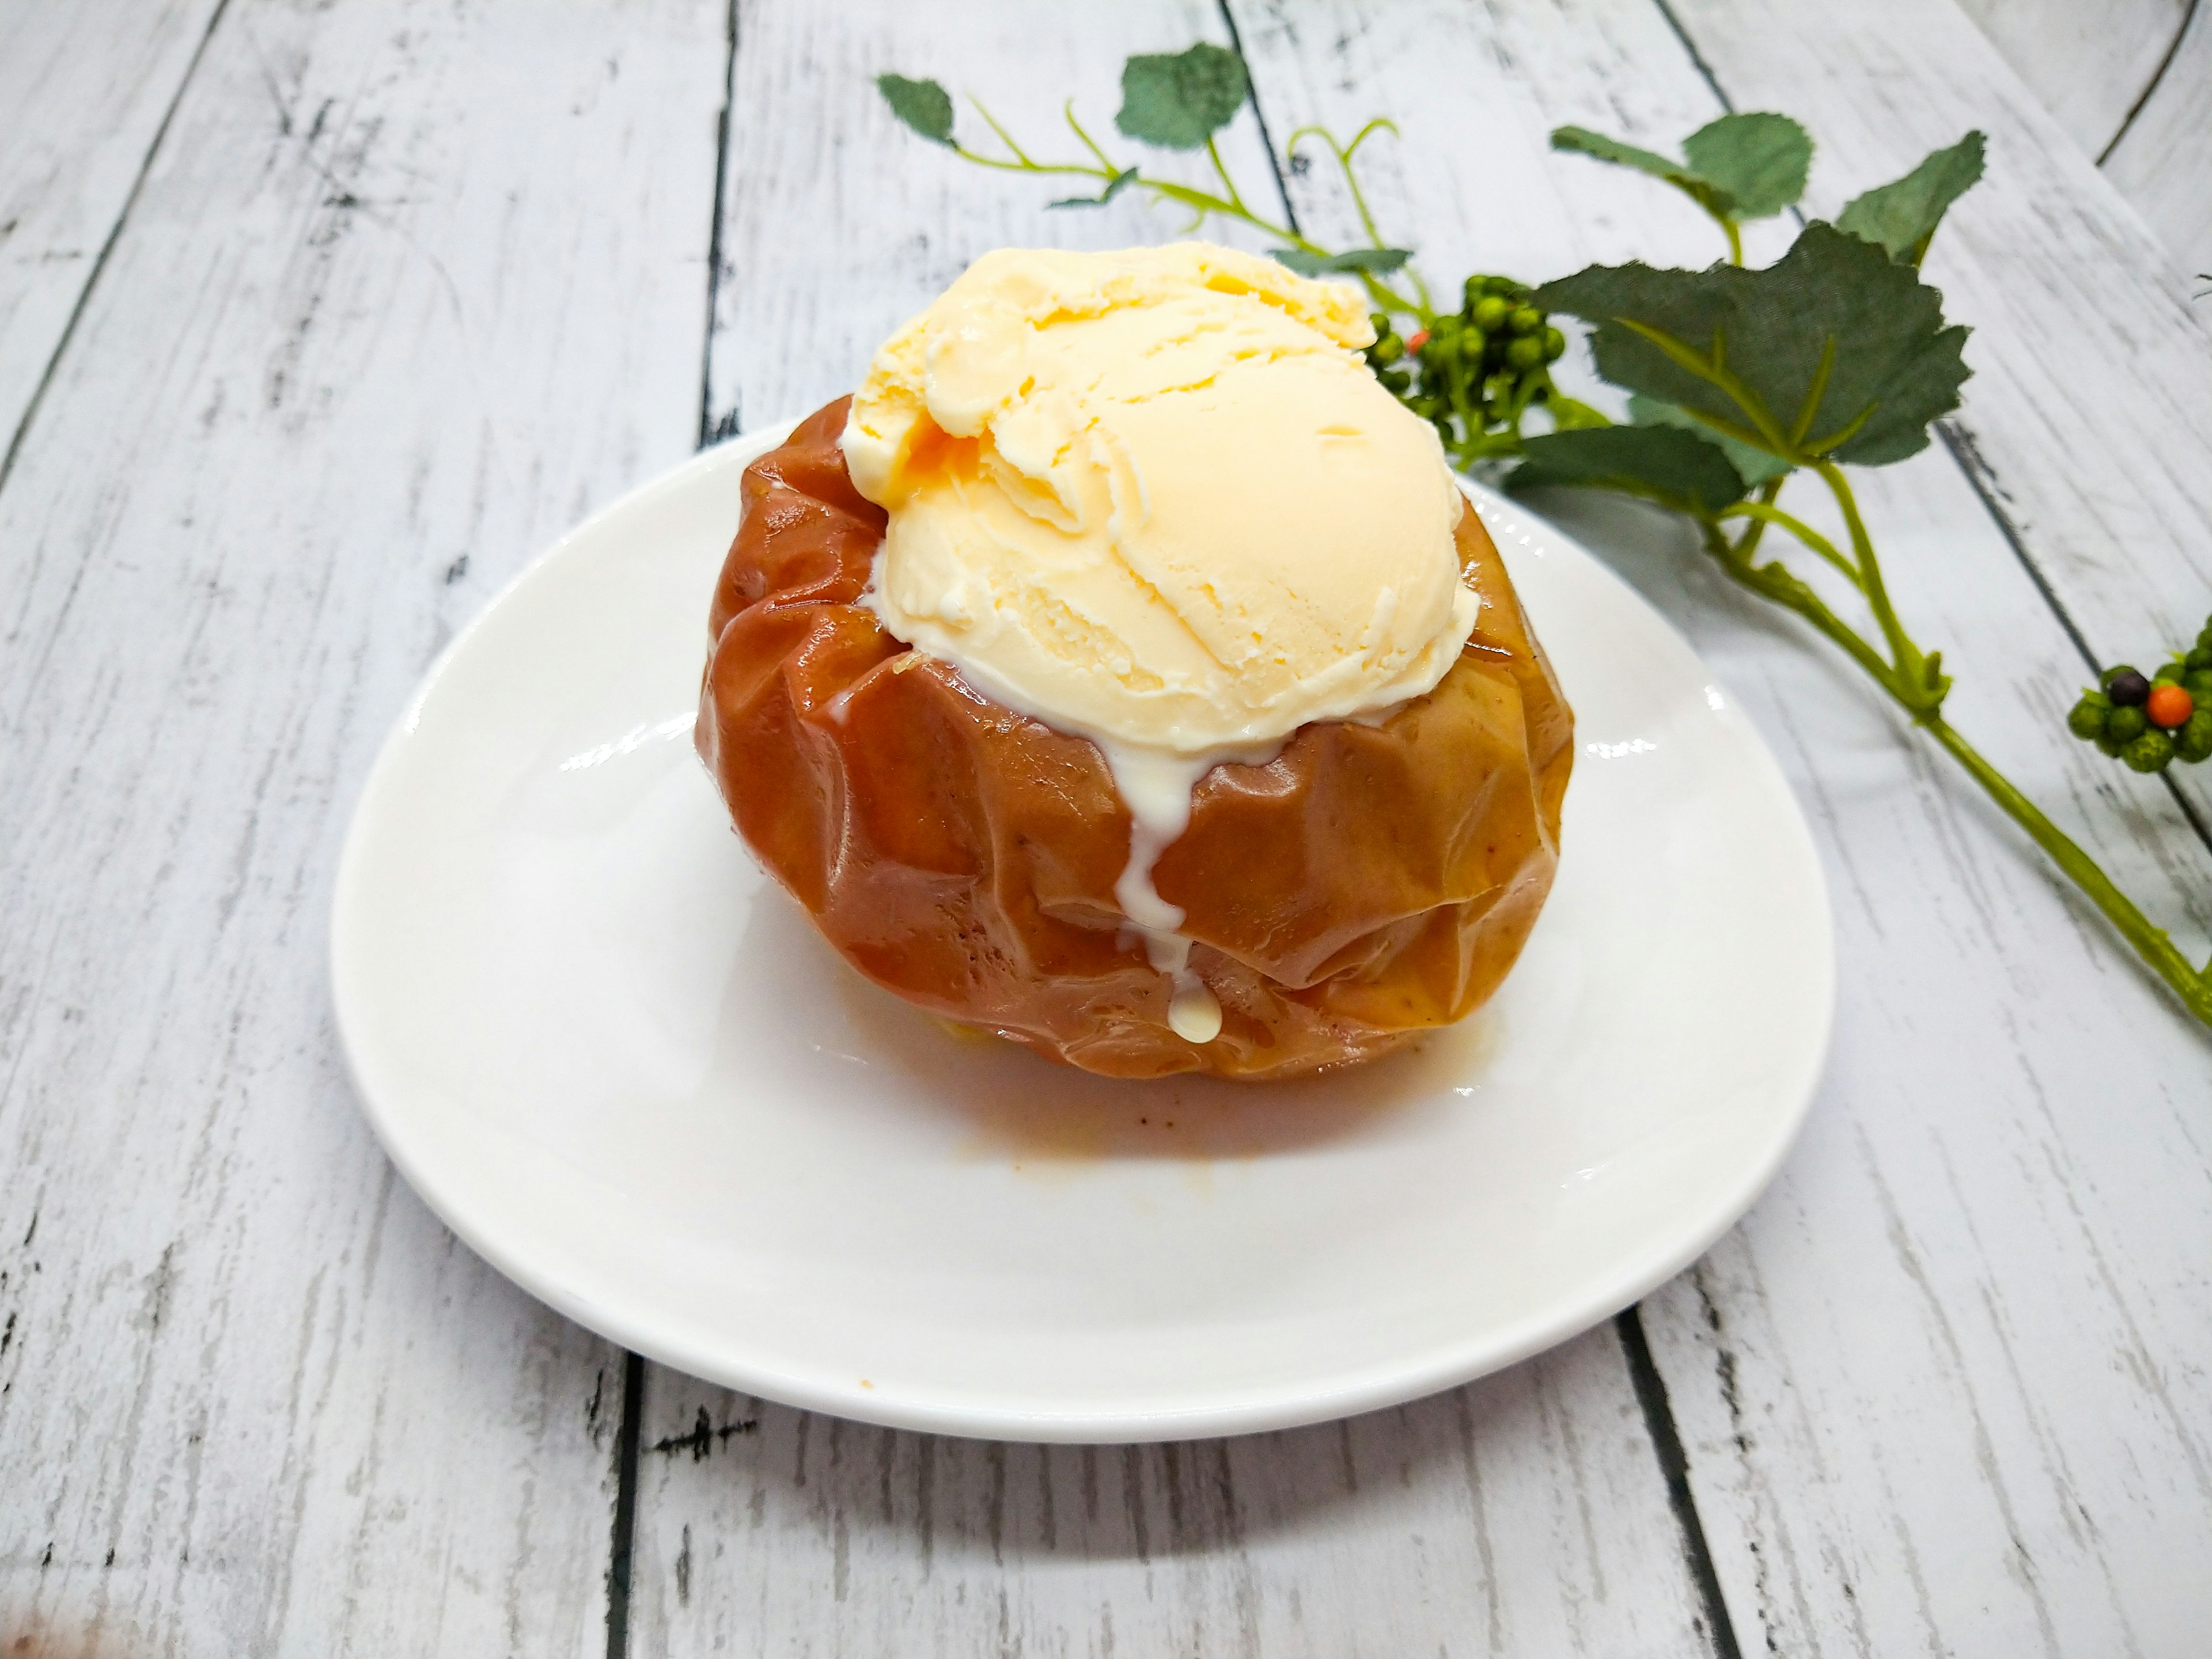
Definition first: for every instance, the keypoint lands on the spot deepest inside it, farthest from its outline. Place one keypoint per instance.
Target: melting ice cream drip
(1156, 787)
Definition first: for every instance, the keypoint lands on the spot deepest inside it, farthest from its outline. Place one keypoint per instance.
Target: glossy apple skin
(1369, 884)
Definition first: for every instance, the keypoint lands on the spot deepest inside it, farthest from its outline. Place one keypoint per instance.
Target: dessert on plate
(1120, 671)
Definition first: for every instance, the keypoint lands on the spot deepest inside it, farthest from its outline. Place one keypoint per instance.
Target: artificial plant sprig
(1836, 354)
(1474, 372)
(1738, 167)
(1176, 102)
(1738, 380)
(2150, 723)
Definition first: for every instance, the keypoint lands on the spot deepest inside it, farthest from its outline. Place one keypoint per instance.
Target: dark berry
(2126, 687)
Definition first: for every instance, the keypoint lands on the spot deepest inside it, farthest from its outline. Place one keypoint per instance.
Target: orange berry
(2169, 705)
(1417, 339)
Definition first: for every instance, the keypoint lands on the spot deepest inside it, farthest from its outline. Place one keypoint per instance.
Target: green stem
(1213, 154)
(1749, 545)
(1068, 110)
(1773, 582)
(1006, 138)
(1803, 532)
(1728, 226)
(1004, 166)
(1199, 202)
(1928, 694)
(1901, 681)
(1385, 298)
(1203, 202)
(2151, 943)
(1344, 153)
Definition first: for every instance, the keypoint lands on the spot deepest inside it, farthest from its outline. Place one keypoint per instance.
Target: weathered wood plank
(1946, 1389)
(409, 287)
(2093, 387)
(1527, 1514)
(838, 223)
(2087, 64)
(2017, 1226)
(2163, 163)
(1522, 1516)
(84, 88)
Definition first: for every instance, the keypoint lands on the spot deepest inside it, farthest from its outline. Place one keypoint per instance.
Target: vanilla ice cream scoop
(1154, 498)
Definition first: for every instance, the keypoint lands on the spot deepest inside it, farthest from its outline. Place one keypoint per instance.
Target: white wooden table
(315, 323)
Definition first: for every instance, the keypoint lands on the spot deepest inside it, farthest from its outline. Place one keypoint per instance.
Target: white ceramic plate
(617, 1061)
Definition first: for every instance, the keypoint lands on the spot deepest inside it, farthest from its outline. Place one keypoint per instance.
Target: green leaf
(1741, 166)
(1672, 335)
(1180, 101)
(1569, 415)
(1754, 466)
(1380, 261)
(1759, 162)
(922, 105)
(1580, 141)
(1113, 187)
(1663, 462)
(1902, 216)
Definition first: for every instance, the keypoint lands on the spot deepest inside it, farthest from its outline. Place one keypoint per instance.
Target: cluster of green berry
(1474, 370)
(2150, 723)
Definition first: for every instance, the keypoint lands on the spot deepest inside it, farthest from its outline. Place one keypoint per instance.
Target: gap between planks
(1981, 476)
(1661, 1430)
(107, 246)
(621, 1544)
(1660, 1427)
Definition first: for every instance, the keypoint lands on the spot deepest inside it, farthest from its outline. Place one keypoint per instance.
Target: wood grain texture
(2093, 370)
(2088, 63)
(2163, 162)
(1522, 1516)
(1944, 1391)
(409, 287)
(1527, 1514)
(84, 88)
(838, 223)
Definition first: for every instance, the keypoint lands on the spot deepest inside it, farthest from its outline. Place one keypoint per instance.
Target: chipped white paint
(408, 287)
(2092, 396)
(1945, 1390)
(839, 224)
(1524, 1515)
(2087, 60)
(84, 88)
(2163, 163)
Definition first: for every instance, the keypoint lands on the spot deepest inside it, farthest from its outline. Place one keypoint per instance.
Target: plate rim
(1374, 1386)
